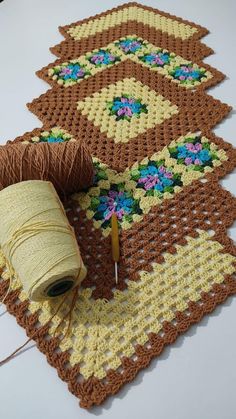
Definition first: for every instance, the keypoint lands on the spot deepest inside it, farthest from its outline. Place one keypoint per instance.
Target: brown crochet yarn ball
(68, 165)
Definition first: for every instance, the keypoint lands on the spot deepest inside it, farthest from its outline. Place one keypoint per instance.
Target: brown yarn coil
(67, 165)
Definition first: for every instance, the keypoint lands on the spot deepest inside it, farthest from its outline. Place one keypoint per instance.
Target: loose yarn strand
(7, 292)
(9, 357)
(11, 277)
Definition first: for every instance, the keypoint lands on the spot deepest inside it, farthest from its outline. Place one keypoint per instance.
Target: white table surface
(196, 377)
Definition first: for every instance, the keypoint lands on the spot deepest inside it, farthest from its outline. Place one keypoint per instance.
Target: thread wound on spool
(68, 165)
(60, 287)
(38, 241)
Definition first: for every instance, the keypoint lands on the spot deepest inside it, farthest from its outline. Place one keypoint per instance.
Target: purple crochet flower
(193, 152)
(103, 57)
(125, 107)
(187, 74)
(72, 71)
(130, 45)
(117, 201)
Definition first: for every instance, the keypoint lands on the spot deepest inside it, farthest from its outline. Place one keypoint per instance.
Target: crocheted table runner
(130, 83)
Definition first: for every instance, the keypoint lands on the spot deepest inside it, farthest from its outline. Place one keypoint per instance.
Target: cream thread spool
(38, 241)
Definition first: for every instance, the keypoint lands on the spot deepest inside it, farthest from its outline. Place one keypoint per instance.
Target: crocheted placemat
(130, 83)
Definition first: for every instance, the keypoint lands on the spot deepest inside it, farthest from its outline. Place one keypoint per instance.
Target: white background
(194, 379)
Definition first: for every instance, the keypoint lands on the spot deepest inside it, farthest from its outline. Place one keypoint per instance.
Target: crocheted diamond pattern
(121, 123)
(131, 84)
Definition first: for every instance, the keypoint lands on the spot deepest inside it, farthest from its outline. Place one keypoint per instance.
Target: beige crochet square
(96, 109)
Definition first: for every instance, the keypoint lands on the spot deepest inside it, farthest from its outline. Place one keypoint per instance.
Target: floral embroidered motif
(103, 57)
(194, 153)
(72, 71)
(130, 45)
(125, 107)
(156, 59)
(155, 178)
(117, 201)
(188, 73)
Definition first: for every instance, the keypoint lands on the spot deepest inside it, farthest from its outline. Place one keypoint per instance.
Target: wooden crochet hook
(115, 243)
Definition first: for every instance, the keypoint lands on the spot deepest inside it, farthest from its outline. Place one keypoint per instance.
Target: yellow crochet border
(147, 17)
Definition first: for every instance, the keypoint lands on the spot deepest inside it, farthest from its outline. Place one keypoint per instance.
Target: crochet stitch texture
(130, 83)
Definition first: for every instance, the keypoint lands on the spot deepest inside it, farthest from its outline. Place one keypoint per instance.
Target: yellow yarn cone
(37, 240)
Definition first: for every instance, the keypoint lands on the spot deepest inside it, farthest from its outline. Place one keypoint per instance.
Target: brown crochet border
(197, 111)
(218, 76)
